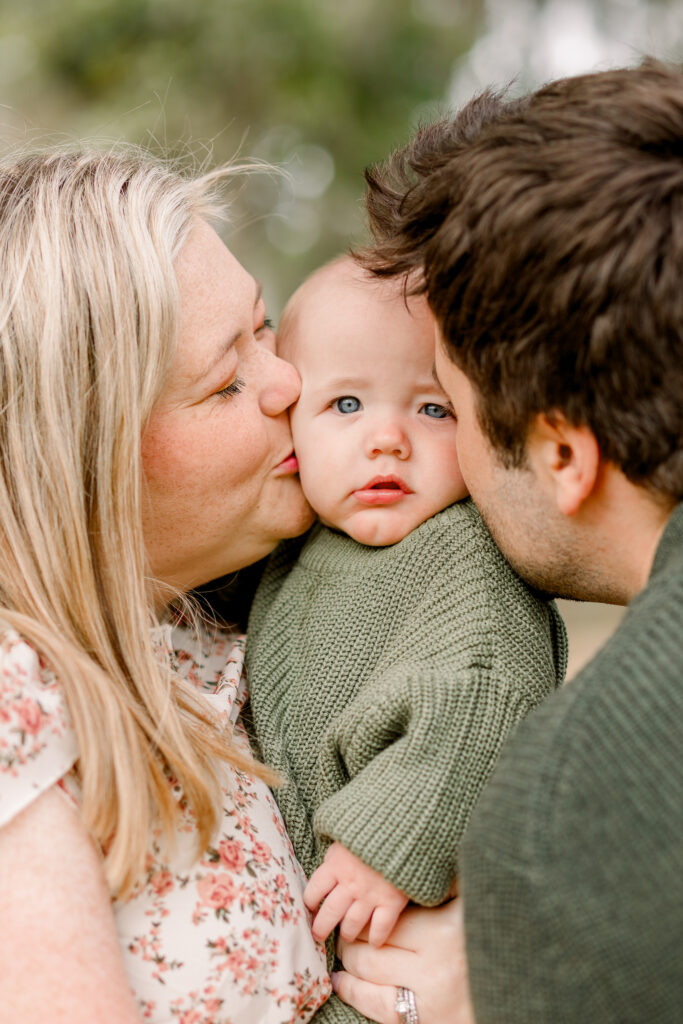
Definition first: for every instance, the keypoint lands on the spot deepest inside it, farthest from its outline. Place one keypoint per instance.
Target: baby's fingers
(321, 882)
(331, 912)
(355, 919)
(382, 924)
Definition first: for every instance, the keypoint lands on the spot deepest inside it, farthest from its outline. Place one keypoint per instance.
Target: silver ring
(406, 1007)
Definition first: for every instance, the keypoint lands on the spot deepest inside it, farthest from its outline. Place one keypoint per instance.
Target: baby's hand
(353, 894)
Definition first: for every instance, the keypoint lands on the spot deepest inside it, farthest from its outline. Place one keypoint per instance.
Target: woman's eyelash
(232, 389)
(268, 323)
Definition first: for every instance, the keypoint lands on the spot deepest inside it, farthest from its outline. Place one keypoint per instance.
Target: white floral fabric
(221, 940)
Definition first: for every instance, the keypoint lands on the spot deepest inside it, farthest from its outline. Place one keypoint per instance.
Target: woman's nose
(388, 438)
(280, 385)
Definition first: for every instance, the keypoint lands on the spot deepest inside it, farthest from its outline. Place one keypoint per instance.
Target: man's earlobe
(568, 457)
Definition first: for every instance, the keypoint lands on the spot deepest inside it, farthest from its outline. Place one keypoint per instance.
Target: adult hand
(426, 953)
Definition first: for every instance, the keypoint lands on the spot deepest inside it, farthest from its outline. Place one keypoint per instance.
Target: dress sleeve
(37, 742)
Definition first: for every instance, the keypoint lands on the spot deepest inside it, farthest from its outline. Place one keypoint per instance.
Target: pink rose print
(222, 928)
(192, 1017)
(162, 882)
(265, 906)
(261, 852)
(30, 715)
(217, 891)
(211, 1007)
(235, 962)
(232, 854)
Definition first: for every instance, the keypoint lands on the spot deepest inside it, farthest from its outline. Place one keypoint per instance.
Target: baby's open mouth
(382, 490)
(386, 483)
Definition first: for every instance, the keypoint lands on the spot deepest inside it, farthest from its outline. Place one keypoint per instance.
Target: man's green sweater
(572, 869)
(383, 683)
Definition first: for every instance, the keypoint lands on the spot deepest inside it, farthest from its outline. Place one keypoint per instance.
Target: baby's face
(372, 429)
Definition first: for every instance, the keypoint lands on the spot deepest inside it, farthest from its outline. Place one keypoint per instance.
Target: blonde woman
(144, 450)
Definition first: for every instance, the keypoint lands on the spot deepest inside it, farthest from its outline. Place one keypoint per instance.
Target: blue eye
(346, 404)
(232, 389)
(436, 412)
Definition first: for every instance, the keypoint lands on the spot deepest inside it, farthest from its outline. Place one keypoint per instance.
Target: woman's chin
(289, 520)
(298, 520)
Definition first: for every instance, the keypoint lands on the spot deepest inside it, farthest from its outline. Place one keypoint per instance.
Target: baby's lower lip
(379, 495)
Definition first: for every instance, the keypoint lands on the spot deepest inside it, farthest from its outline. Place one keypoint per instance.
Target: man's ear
(567, 458)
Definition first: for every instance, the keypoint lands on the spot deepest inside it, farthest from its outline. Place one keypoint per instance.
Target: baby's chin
(376, 528)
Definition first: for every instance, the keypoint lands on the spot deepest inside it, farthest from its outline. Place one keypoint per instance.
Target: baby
(391, 650)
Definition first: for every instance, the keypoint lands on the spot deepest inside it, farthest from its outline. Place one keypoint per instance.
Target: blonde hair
(88, 324)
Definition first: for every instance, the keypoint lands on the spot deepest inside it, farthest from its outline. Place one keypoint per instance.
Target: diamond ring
(406, 1007)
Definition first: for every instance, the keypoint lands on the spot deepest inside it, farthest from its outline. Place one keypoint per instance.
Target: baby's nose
(388, 438)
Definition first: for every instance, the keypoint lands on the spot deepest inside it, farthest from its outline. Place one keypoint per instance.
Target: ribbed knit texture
(572, 868)
(383, 683)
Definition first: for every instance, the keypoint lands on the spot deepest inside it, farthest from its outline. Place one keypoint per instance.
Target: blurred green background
(319, 88)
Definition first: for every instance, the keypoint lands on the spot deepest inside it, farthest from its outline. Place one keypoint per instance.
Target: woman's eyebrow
(219, 356)
(229, 342)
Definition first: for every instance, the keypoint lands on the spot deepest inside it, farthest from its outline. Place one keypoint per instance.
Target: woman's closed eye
(347, 404)
(234, 388)
(267, 325)
(264, 334)
(436, 412)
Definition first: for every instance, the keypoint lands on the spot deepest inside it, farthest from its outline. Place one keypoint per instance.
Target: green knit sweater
(573, 865)
(383, 682)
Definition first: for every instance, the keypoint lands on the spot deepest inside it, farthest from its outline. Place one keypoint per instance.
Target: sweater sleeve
(403, 765)
(384, 683)
(572, 869)
(414, 754)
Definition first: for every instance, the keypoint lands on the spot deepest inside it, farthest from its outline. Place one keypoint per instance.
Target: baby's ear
(566, 458)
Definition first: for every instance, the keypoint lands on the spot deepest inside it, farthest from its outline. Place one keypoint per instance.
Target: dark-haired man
(548, 234)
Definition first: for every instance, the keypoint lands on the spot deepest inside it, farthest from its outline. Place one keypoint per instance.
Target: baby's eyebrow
(339, 383)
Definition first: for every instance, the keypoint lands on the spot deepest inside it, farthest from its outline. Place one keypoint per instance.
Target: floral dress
(221, 940)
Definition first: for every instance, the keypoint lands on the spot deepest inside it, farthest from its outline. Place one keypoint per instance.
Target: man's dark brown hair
(548, 235)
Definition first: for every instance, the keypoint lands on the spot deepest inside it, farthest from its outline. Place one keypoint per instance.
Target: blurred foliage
(319, 87)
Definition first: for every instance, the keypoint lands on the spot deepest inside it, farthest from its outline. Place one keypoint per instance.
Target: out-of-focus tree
(319, 87)
(528, 42)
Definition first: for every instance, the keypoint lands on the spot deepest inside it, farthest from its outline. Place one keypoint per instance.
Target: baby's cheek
(315, 485)
(450, 478)
(299, 436)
